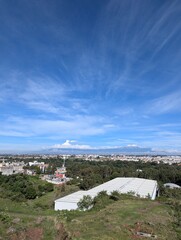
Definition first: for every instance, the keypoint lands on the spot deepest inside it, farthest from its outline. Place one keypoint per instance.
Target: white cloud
(68, 144)
(132, 145)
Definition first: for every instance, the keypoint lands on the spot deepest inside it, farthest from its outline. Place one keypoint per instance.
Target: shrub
(4, 217)
(102, 200)
(115, 195)
(30, 193)
(85, 203)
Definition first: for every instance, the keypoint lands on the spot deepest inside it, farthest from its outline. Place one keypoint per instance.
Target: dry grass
(122, 220)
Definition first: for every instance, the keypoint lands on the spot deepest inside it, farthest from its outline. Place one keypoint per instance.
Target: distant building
(60, 172)
(30, 172)
(59, 177)
(140, 187)
(171, 185)
(7, 168)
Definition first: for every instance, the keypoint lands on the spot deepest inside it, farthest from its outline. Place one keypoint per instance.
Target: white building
(139, 186)
(9, 168)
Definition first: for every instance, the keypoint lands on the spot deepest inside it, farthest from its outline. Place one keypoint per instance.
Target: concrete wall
(154, 194)
(65, 206)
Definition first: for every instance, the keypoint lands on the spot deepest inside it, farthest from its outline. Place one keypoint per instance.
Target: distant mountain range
(118, 150)
(127, 150)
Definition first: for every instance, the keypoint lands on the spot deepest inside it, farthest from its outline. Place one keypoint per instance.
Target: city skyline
(90, 74)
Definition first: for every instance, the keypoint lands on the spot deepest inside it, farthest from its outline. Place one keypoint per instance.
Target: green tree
(87, 183)
(85, 203)
(30, 193)
(102, 200)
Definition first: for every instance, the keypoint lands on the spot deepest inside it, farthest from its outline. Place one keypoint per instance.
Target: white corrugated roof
(74, 197)
(139, 186)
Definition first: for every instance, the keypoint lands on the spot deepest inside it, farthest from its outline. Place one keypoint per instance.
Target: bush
(170, 193)
(48, 187)
(102, 200)
(30, 193)
(85, 203)
(4, 217)
(17, 197)
(115, 195)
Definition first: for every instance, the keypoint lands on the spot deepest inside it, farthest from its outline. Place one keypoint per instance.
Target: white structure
(171, 185)
(36, 163)
(139, 186)
(9, 168)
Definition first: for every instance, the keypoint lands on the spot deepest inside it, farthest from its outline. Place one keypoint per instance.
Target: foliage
(94, 173)
(102, 200)
(19, 187)
(68, 216)
(91, 173)
(5, 217)
(115, 195)
(47, 187)
(85, 203)
(30, 193)
(170, 193)
(34, 168)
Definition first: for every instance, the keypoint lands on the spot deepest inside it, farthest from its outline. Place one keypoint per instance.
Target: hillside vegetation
(110, 218)
(27, 205)
(122, 220)
(21, 187)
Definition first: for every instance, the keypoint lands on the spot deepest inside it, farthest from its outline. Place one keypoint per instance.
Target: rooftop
(139, 186)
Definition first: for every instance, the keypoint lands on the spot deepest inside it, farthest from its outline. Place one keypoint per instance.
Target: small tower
(60, 172)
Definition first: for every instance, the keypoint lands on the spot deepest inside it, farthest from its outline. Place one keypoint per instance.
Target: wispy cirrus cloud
(111, 72)
(43, 93)
(166, 104)
(33, 127)
(137, 50)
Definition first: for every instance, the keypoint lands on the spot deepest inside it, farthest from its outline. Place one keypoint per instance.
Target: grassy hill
(29, 215)
(32, 219)
(36, 219)
(123, 219)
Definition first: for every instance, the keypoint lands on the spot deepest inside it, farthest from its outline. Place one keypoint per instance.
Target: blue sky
(90, 73)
